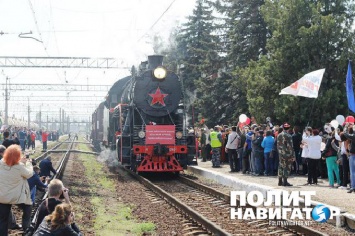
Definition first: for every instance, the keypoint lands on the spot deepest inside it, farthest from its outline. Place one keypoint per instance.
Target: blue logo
(320, 213)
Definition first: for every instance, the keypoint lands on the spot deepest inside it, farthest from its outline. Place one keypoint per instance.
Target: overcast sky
(81, 28)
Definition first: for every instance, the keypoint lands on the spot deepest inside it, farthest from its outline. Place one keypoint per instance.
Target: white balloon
(243, 118)
(340, 119)
(334, 123)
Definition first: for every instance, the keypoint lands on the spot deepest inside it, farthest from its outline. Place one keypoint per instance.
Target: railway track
(206, 210)
(60, 170)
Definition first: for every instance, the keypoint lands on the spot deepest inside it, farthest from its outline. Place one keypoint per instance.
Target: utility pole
(68, 123)
(63, 119)
(6, 104)
(29, 113)
(40, 118)
(60, 119)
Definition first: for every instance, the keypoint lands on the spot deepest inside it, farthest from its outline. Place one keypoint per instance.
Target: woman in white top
(304, 146)
(314, 154)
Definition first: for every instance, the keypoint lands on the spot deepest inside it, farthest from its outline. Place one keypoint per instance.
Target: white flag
(307, 86)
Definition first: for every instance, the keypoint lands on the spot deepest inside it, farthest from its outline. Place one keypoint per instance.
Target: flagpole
(310, 114)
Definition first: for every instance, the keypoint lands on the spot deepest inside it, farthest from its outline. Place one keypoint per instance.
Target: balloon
(350, 119)
(334, 123)
(242, 118)
(340, 119)
(247, 121)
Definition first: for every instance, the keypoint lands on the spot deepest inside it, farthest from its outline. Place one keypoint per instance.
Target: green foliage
(266, 45)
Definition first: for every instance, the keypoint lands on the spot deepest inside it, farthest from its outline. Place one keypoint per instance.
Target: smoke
(108, 157)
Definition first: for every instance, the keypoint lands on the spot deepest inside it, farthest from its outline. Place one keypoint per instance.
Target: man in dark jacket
(46, 167)
(7, 142)
(36, 181)
(258, 152)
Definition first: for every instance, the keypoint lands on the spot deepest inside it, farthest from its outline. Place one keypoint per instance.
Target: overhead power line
(56, 87)
(167, 9)
(61, 62)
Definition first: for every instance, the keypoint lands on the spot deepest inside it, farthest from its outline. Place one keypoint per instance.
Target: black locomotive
(147, 122)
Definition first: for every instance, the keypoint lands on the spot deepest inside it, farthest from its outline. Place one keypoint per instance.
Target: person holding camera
(56, 191)
(14, 189)
(60, 222)
(36, 181)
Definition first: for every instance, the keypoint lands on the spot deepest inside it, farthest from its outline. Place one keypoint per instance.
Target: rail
(209, 225)
(298, 228)
(58, 175)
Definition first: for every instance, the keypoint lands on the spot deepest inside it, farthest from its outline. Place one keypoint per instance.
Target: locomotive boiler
(147, 121)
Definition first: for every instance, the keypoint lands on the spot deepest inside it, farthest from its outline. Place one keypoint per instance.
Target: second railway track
(209, 209)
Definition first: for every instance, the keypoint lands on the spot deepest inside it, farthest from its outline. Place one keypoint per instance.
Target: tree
(306, 36)
(198, 44)
(244, 35)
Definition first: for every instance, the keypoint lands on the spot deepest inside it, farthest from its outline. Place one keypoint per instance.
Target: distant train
(144, 120)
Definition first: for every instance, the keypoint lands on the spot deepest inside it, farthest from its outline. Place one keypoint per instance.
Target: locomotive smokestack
(154, 61)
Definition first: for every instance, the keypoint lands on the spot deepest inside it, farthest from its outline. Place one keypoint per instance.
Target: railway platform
(246, 182)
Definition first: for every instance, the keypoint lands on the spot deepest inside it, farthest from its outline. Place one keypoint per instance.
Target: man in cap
(216, 144)
(286, 155)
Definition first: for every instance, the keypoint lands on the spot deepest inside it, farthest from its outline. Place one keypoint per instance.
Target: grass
(112, 217)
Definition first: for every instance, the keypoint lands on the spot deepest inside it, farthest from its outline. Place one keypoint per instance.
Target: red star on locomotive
(158, 97)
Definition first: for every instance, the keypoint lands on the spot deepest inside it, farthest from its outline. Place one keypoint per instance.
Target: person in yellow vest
(216, 144)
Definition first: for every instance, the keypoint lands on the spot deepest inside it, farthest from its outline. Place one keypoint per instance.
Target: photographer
(60, 222)
(55, 190)
(36, 181)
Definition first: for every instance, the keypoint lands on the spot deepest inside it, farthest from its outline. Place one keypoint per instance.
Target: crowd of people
(274, 150)
(26, 138)
(20, 177)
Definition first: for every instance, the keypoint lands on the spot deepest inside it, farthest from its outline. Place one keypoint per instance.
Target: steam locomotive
(146, 120)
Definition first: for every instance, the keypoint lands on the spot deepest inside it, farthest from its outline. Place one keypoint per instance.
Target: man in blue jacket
(46, 167)
(36, 181)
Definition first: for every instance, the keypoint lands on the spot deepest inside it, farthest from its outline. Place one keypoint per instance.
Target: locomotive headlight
(160, 72)
(141, 134)
(178, 135)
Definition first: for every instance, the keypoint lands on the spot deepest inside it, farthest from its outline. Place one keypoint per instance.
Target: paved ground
(332, 196)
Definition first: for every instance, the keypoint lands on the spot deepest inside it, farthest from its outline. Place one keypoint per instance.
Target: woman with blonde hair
(59, 223)
(14, 188)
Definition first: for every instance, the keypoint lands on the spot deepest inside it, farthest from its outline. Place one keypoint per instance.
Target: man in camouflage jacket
(286, 155)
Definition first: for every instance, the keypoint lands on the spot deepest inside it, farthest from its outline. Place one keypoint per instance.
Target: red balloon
(350, 119)
(247, 121)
